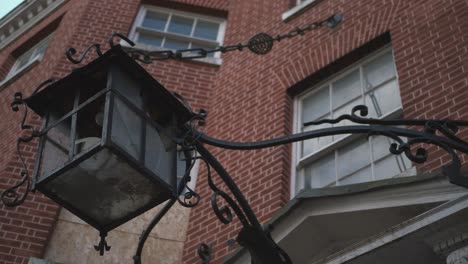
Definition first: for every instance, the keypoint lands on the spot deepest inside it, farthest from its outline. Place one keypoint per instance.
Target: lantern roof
(94, 76)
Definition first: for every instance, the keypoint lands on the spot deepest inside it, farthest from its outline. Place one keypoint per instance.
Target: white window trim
(297, 161)
(136, 28)
(15, 71)
(296, 9)
(8, 79)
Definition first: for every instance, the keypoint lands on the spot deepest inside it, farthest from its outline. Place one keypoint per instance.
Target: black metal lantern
(105, 150)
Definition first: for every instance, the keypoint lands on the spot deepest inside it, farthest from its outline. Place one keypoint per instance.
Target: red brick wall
(247, 96)
(25, 230)
(251, 102)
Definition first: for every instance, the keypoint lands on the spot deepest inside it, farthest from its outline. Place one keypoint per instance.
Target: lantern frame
(112, 63)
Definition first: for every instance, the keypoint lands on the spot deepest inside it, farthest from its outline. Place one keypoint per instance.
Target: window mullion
(168, 22)
(337, 162)
(195, 22)
(363, 89)
(301, 128)
(330, 95)
(372, 158)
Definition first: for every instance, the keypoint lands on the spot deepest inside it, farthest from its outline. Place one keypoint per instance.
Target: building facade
(328, 200)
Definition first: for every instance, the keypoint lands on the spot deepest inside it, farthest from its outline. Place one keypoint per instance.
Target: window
(171, 29)
(32, 55)
(346, 159)
(298, 6)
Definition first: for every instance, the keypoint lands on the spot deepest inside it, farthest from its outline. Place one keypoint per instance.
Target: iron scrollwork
(11, 197)
(253, 236)
(441, 133)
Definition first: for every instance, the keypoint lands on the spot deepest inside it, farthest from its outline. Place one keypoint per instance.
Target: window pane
(180, 25)
(391, 166)
(315, 144)
(363, 175)
(150, 40)
(346, 89)
(316, 105)
(383, 100)
(387, 165)
(155, 20)
(321, 173)
(379, 70)
(206, 30)
(345, 110)
(353, 157)
(380, 147)
(175, 44)
(23, 59)
(40, 49)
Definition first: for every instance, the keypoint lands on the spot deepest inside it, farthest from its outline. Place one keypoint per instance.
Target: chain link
(261, 43)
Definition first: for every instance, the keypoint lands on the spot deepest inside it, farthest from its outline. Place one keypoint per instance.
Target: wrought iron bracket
(252, 236)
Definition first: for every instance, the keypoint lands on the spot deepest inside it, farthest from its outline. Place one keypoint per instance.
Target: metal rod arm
(213, 162)
(363, 129)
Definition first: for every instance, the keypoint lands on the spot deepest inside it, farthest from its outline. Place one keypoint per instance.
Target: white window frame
(299, 162)
(300, 5)
(137, 28)
(34, 57)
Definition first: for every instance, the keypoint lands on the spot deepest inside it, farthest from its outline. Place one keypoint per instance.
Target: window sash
(28, 57)
(333, 111)
(192, 40)
(334, 145)
(367, 156)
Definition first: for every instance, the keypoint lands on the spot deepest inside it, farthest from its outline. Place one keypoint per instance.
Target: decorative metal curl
(124, 38)
(190, 197)
(204, 252)
(447, 140)
(359, 113)
(71, 52)
(11, 197)
(446, 127)
(223, 213)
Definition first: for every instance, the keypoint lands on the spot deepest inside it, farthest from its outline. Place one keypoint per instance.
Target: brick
(247, 97)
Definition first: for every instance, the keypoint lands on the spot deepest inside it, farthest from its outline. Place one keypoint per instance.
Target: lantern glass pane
(160, 155)
(89, 122)
(105, 188)
(127, 87)
(57, 146)
(126, 129)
